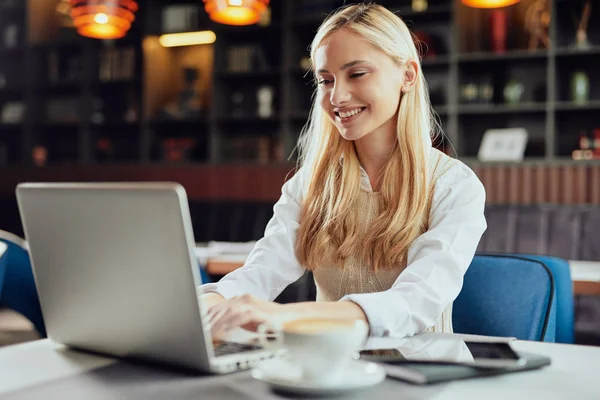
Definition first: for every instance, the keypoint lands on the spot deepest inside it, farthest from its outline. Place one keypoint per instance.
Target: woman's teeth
(347, 114)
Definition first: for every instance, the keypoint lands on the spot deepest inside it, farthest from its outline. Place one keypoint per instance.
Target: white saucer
(284, 376)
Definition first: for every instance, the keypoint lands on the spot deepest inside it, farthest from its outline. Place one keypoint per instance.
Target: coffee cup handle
(269, 335)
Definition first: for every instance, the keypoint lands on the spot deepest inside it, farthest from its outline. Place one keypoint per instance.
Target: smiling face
(359, 85)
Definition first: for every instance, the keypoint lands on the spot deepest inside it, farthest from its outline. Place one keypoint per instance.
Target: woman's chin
(350, 134)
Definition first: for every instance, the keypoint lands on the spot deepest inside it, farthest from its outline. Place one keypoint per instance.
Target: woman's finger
(222, 321)
(216, 308)
(249, 319)
(236, 317)
(217, 311)
(217, 314)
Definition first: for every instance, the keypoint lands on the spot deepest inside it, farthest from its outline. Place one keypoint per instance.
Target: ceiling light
(236, 12)
(103, 19)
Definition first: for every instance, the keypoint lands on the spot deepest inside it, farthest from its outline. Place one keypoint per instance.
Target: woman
(387, 224)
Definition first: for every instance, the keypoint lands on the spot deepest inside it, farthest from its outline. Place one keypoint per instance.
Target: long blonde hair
(329, 215)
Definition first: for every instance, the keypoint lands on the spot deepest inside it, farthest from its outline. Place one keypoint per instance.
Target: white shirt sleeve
(437, 260)
(272, 264)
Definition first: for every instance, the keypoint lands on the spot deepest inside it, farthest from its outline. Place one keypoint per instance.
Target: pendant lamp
(236, 12)
(489, 3)
(103, 19)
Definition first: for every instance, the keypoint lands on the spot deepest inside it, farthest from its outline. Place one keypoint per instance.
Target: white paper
(503, 145)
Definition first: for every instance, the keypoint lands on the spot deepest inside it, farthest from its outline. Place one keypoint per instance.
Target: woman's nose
(339, 95)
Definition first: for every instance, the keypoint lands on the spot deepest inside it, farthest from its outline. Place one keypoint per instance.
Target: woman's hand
(245, 311)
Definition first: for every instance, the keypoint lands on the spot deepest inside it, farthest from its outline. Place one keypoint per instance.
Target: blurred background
(155, 90)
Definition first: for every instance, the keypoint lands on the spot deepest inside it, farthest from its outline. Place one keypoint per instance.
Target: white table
(586, 277)
(43, 369)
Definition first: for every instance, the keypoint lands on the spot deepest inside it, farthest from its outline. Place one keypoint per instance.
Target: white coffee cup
(320, 347)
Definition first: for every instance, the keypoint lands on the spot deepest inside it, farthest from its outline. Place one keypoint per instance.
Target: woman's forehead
(342, 47)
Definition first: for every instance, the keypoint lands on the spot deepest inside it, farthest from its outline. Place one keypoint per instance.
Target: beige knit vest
(333, 282)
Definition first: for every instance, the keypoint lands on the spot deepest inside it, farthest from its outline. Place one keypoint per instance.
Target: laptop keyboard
(224, 348)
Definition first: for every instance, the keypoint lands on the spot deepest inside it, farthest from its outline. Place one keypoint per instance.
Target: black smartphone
(484, 355)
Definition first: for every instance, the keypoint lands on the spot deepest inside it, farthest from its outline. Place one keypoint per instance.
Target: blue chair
(563, 288)
(204, 274)
(3, 260)
(508, 296)
(17, 285)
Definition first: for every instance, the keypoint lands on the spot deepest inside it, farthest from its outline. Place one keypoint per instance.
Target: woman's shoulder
(295, 185)
(446, 170)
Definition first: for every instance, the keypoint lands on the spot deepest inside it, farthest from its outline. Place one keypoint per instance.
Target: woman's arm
(437, 260)
(271, 265)
(248, 312)
(325, 310)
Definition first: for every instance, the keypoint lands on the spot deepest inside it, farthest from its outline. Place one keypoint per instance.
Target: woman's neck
(373, 151)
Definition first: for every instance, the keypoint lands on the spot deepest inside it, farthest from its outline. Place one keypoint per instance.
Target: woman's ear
(410, 76)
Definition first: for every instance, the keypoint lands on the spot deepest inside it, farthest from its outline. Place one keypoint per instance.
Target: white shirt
(436, 262)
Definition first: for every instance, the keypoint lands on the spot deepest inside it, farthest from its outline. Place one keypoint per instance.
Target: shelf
(435, 61)
(11, 90)
(248, 119)
(221, 29)
(526, 161)
(273, 73)
(482, 109)
(65, 85)
(7, 54)
(531, 161)
(74, 44)
(179, 123)
(116, 124)
(21, 8)
(592, 105)
(566, 52)
(514, 55)
(571, 161)
(299, 115)
(441, 110)
(117, 82)
(60, 125)
(4, 127)
(7, 9)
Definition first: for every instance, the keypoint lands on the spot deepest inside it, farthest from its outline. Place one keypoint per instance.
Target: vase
(498, 31)
(580, 87)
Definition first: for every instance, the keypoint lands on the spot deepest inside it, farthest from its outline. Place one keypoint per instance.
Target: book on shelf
(116, 64)
(247, 58)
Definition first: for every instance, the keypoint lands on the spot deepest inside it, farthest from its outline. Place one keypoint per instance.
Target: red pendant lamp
(489, 3)
(236, 12)
(103, 19)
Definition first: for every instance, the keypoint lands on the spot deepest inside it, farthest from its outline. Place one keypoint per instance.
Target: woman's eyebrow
(345, 66)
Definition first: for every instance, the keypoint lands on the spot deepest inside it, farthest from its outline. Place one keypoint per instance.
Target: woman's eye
(357, 74)
(325, 81)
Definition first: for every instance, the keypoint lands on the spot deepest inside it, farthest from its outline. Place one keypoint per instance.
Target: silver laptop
(116, 273)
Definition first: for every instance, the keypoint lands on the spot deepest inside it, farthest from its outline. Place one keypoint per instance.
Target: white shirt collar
(365, 182)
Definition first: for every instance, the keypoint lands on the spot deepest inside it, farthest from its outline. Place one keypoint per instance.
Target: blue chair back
(563, 288)
(17, 284)
(506, 296)
(3, 263)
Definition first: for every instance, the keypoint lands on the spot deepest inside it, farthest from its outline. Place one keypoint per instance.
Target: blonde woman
(387, 224)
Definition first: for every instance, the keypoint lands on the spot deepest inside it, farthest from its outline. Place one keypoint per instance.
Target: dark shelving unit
(129, 119)
(507, 109)
(543, 109)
